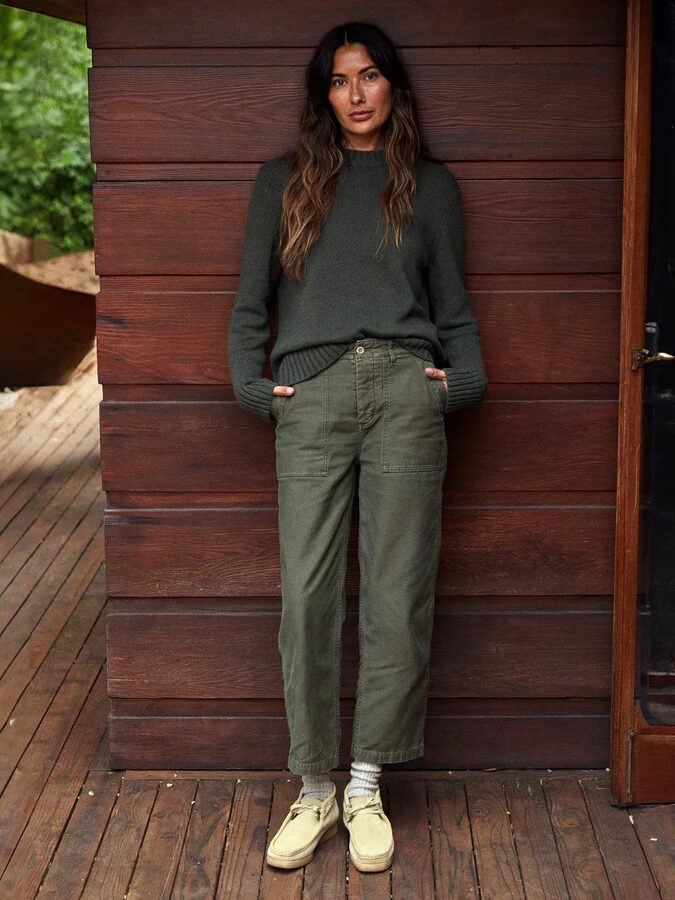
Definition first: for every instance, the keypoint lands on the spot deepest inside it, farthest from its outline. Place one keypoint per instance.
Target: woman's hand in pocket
(431, 372)
(283, 390)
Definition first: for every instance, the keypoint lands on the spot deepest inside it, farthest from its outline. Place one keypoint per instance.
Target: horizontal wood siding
(525, 105)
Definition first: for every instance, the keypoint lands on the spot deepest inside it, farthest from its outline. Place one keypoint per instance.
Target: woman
(359, 235)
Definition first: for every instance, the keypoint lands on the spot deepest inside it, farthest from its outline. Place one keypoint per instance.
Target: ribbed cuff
(466, 387)
(256, 396)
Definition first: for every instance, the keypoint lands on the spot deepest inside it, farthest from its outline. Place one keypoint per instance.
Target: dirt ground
(74, 271)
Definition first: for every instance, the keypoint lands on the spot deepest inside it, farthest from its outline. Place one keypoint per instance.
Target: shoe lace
(299, 807)
(373, 806)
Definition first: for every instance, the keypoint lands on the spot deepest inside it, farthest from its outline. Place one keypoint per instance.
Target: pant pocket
(414, 423)
(436, 388)
(301, 434)
(277, 406)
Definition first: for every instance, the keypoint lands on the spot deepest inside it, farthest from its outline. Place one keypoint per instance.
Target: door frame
(642, 754)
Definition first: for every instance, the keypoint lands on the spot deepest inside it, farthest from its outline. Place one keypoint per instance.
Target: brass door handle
(640, 356)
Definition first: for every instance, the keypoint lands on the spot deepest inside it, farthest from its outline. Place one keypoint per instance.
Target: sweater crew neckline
(364, 157)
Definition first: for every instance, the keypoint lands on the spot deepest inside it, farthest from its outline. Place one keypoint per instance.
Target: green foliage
(46, 172)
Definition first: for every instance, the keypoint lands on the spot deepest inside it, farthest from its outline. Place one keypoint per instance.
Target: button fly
(360, 349)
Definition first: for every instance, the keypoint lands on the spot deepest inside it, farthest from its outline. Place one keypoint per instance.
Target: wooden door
(525, 103)
(643, 699)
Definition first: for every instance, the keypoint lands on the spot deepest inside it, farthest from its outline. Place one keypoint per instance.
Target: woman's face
(357, 84)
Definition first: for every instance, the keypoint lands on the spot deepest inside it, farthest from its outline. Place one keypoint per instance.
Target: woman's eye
(337, 81)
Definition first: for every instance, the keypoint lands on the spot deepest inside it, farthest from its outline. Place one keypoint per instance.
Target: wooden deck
(70, 827)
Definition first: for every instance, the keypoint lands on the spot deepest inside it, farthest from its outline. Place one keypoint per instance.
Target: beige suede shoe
(308, 822)
(371, 840)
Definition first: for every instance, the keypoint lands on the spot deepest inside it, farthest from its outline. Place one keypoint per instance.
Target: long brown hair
(316, 162)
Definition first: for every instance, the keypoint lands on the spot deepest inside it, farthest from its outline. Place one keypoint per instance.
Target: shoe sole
(281, 863)
(370, 865)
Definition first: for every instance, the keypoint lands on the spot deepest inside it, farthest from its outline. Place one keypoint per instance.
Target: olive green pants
(375, 420)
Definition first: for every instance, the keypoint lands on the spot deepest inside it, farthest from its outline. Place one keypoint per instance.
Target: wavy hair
(316, 162)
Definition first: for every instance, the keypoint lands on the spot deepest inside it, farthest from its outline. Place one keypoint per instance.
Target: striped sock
(364, 778)
(317, 785)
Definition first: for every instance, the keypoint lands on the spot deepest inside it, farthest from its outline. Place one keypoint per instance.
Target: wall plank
(503, 737)
(197, 228)
(468, 111)
(214, 446)
(163, 338)
(234, 552)
(127, 23)
(159, 654)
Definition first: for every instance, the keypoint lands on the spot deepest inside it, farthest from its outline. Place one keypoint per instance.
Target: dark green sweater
(414, 294)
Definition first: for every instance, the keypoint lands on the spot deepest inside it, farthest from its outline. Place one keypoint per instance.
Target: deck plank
(116, 858)
(25, 411)
(40, 806)
(497, 861)
(162, 845)
(622, 854)
(411, 871)
(35, 493)
(19, 407)
(31, 679)
(243, 858)
(199, 865)
(74, 857)
(29, 686)
(654, 825)
(540, 865)
(581, 857)
(451, 841)
(46, 564)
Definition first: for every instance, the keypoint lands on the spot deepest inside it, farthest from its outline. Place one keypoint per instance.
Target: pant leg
(403, 459)
(316, 474)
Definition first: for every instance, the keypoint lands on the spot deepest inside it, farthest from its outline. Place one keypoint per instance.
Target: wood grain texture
(629, 563)
(527, 336)
(214, 446)
(197, 228)
(469, 110)
(158, 654)
(463, 742)
(234, 552)
(128, 24)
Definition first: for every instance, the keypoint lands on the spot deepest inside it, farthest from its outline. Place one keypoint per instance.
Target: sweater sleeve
(451, 312)
(249, 323)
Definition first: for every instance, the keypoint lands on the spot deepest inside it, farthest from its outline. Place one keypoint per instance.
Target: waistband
(379, 346)
(372, 342)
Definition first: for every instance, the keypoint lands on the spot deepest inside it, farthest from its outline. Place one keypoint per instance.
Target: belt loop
(392, 355)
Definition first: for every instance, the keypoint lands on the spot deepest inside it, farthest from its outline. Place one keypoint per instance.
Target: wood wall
(524, 101)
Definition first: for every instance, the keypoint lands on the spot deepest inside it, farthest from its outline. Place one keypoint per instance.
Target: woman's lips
(360, 115)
